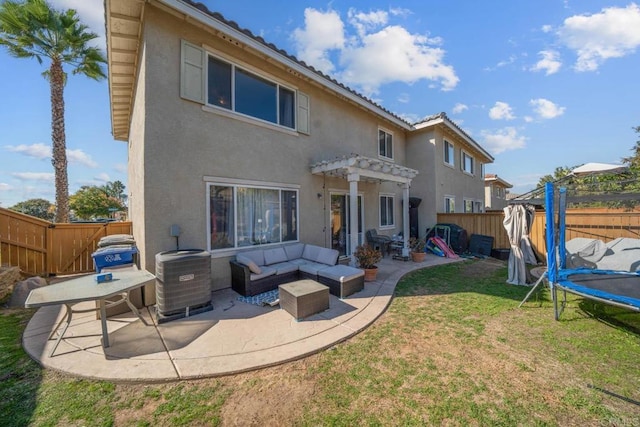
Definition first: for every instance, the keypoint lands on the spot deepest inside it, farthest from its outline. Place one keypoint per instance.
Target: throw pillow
(253, 267)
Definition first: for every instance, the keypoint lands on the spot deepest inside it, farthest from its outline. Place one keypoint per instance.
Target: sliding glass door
(340, 226)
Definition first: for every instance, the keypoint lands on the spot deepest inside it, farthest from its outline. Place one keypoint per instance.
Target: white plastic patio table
(86, 288)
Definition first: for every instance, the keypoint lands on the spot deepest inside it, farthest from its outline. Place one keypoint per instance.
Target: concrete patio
(233, 337)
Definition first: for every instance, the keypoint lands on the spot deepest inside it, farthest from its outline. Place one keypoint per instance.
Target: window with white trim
(449, 204)
(212, 81)
(248, 215)
(467, 163)
(387, 218)
(385, 144)
(468, 206)
(449, 153)
(233, 88)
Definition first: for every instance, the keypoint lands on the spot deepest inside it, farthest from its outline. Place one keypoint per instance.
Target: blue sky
(538, 84)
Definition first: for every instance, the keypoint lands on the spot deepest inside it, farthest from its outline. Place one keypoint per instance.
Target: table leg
(134, 309)
(67, 321)
(103, 320)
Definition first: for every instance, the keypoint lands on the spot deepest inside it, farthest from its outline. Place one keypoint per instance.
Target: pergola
(355, 168)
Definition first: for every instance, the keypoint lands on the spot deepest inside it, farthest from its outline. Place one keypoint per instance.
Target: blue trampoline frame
(559, 276)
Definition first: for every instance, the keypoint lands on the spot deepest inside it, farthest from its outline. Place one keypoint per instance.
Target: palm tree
(33, 29)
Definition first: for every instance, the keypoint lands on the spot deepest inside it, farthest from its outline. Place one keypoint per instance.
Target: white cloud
(503, 140)
(459, 108)
(5, 187)
(393, 54)
(367, 22)
(404, 98)
(373, 53)
(546, 28)
(37, 151)
(549, 63)
(323, 32)
(612, 33)
(102, 177)
(546, 109)
(501, 111)
(33, 176)
(42, 151)
(80, 157)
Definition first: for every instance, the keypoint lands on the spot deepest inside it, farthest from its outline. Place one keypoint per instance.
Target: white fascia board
(205, 19)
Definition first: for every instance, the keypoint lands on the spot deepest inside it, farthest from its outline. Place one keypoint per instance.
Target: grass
(453, 349)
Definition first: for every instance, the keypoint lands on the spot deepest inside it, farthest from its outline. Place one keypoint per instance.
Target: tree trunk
(58, 141)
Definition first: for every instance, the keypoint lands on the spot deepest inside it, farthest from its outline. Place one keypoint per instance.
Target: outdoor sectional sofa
(261, 270)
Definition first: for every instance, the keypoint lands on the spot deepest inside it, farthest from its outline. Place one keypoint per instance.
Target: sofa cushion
(253, 267)
(341, 273)
(284, 267)
(299, 261)
(294, 251)
(266, 272)
(312, 267)
(256, 256)
(311, 252)
(274, 256)
(328, 256)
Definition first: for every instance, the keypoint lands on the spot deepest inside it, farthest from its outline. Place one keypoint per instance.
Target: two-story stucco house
(240, 144)
(495, 192)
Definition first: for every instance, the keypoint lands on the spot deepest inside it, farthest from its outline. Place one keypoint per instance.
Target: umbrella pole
(533, 288)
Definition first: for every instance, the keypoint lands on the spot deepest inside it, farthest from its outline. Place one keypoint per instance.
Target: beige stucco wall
(452, 181)
(183, 143)
(420, 156)
(135, 172)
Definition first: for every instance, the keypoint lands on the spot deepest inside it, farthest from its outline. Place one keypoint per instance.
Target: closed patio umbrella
(517, 222)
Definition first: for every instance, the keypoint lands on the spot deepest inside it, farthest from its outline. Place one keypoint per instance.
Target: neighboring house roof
(442, 119)
(491, 178)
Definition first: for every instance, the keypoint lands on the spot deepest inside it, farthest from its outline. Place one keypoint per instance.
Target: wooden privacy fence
(592, 224)
(44, 248)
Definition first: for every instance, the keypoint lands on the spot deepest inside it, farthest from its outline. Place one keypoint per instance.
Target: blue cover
(113, 255)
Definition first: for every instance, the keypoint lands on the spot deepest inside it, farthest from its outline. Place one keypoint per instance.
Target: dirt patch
(482, 268)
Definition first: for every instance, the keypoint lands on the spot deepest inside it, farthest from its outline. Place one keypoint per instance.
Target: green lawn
(452, 349)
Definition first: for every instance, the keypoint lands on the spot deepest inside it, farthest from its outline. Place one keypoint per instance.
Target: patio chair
(378, 241)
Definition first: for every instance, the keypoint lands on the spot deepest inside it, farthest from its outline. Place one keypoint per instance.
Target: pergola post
(353, 179)
(405, 218)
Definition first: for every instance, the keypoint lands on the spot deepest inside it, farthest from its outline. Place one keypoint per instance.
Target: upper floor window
(385, 144)
(386, 211)
(236, 89)
(448, 153)
(467, 163)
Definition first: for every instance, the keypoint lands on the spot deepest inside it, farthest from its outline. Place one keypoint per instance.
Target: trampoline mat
(615, 285)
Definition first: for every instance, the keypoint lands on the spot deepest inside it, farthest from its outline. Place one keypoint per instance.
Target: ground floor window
(386, 211)
(468, 206)
(449, 204)
(245, 216)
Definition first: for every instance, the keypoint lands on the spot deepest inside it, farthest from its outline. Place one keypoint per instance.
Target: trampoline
(618, 288)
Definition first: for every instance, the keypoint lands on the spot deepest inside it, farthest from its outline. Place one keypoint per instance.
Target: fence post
(48, 254)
